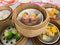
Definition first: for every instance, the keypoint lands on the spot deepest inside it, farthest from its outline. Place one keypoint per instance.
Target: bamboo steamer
(30, 31)
(6, 8)
(48, 5)
(4, 26)
(36, 41)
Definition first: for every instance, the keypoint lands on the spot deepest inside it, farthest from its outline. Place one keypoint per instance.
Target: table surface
(29, 42)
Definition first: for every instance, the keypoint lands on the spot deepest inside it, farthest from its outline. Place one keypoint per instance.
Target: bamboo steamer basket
(10, 15)
(3, 26)
(36, 41)
(48, 5)
(30, 31)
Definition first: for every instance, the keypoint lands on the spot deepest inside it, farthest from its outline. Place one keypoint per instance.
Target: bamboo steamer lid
(2, 8)
(48, 5)
(3, 26)
(30, 31)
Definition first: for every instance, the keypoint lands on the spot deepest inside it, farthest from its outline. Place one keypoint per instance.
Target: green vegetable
(26, 13)
(11, 33)
(8, 34)
(36, 14)
(17, 36)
